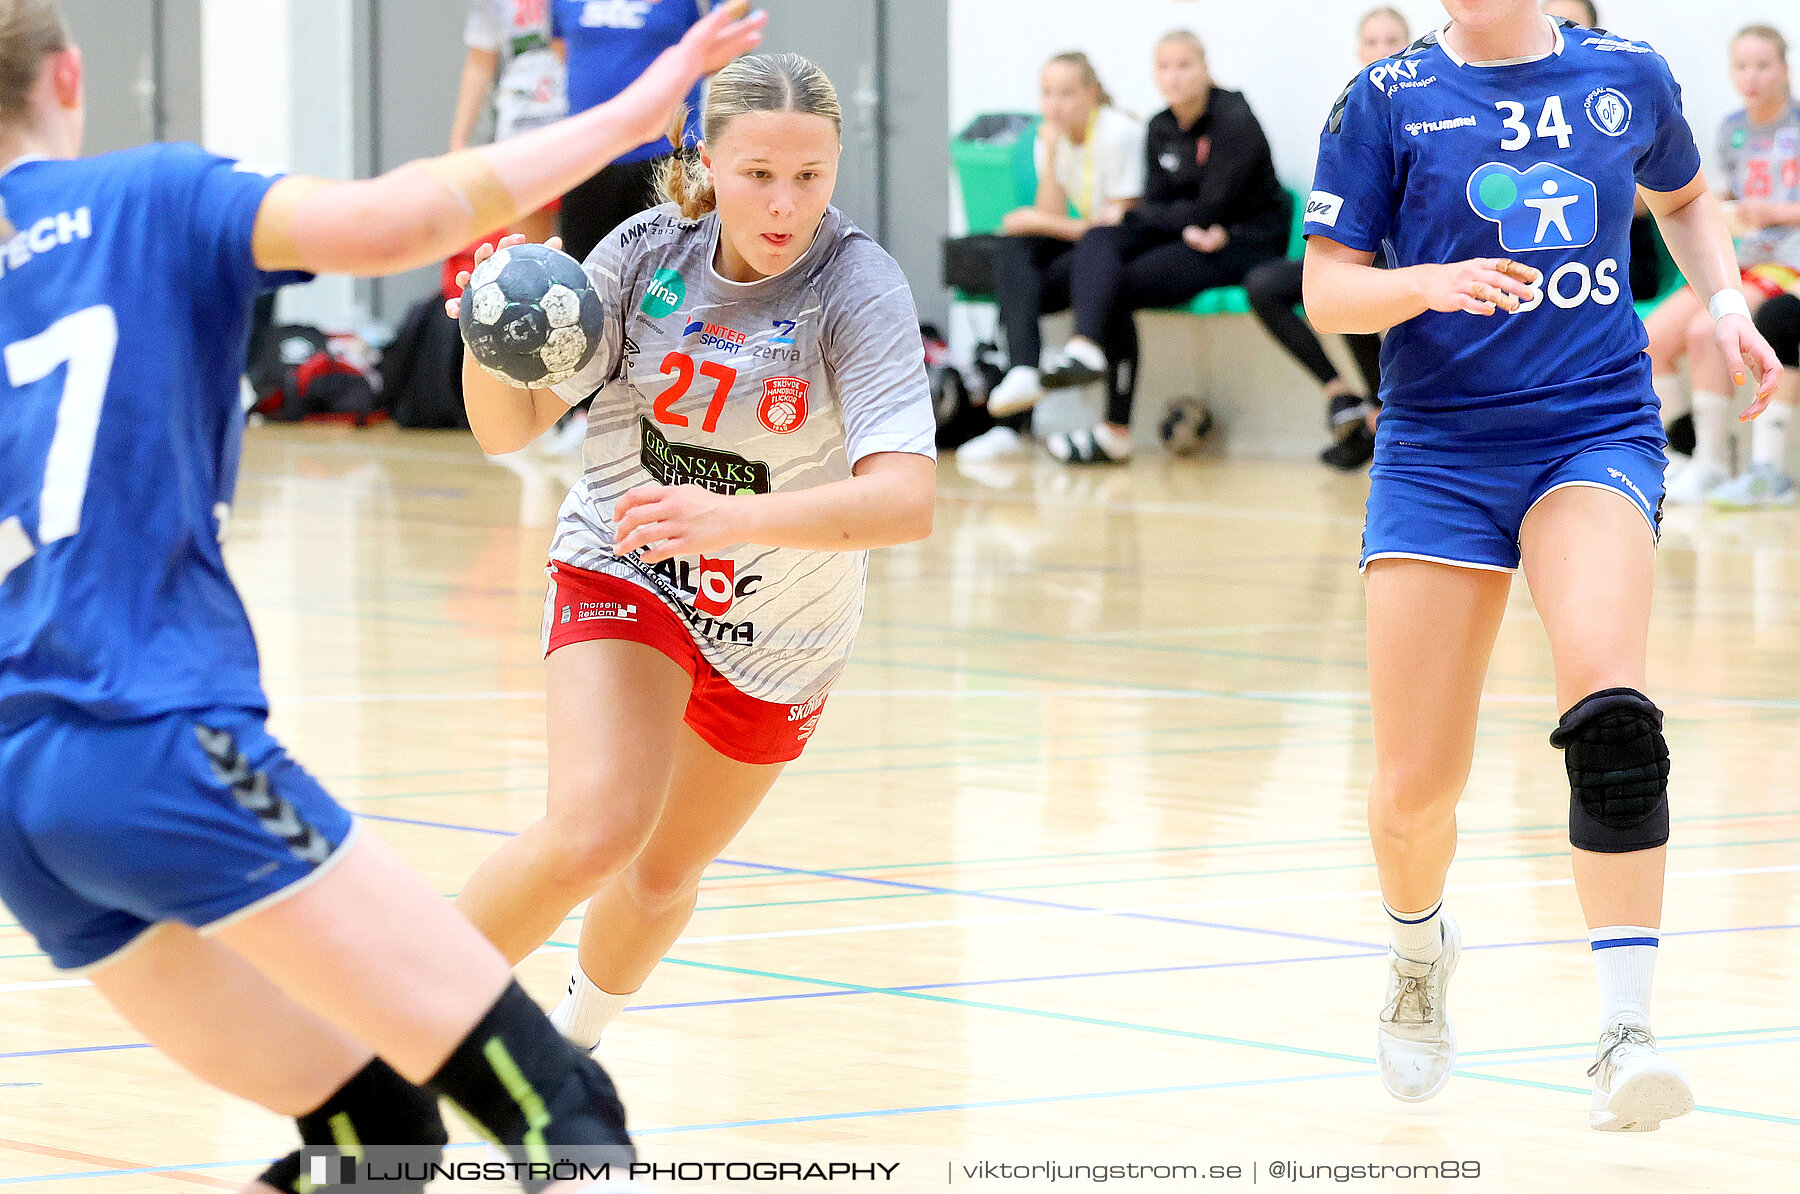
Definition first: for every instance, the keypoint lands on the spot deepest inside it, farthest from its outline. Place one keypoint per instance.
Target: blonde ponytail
(757, 83)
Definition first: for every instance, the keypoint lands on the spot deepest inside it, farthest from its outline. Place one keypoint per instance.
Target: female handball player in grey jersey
(761, 419)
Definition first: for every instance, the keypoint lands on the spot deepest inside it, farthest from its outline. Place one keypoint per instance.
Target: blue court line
(926, 1109)
(923, 889)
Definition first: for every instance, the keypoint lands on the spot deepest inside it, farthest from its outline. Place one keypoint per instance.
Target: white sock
(586, 1010)
(1768, 436)
(1625, 959)
(1712, 429)
(1418, 936)
(1671, 395)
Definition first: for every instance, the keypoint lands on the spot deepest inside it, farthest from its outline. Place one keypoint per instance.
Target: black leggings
(1120, 270)
(1779, 322)
(1275, 288)
(603, 202)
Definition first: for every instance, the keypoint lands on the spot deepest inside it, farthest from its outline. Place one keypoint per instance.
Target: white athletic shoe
(1078, 364)
(1763, 487)
(992, 444)
(1695, 483)
(1415, 1046)
(1635, 1087)
(1020, 390)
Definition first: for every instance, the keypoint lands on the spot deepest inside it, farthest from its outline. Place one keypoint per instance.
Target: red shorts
(585, 606)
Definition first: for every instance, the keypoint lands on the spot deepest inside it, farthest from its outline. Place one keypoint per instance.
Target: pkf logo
(783, 406)
(715, 587)
(1393, 72)
(665, 293)
(1609, 111)
(1545, 207)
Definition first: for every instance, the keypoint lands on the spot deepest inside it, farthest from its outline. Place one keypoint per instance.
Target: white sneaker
(1098, 444)
(1020, 390)
(1078, 364)
(1695, 483)
(1635, 1087)
(1415, 1046)
(992, 444)
(1763, 487)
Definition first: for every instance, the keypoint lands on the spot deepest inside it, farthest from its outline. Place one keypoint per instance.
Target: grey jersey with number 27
(755, 387)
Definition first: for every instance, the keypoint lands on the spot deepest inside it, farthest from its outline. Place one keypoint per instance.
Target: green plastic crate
(993, 158)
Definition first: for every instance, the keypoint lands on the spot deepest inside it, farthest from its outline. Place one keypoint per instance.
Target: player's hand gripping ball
(530, 316)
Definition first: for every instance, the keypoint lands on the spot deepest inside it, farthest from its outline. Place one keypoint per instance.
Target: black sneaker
(1356, 449)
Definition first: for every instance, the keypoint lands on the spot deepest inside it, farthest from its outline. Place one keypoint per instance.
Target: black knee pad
(376, 1107)
(1618, 764)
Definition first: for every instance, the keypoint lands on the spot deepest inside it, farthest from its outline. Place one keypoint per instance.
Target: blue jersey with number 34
(1535, 160)
(125, 298)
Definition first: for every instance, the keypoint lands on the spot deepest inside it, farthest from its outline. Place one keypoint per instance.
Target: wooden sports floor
(1073, 871)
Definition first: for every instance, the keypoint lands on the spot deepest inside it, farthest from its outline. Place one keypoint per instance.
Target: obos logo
(1545, 207)
(783, 406)
(1609, 111)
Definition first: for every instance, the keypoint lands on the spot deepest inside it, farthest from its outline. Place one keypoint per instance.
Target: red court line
(64, 1154)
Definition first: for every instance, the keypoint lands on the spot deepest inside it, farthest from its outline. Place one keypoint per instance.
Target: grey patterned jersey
(1763, 162)
(755, 387)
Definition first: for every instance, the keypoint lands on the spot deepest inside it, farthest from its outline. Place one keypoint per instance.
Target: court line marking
(1293, 1050)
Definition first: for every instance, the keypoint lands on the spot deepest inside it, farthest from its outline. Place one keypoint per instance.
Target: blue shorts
(107, 828)
(1470, 515)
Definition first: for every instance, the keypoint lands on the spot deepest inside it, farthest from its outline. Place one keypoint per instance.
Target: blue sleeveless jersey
(1538, 160)
(125, 297)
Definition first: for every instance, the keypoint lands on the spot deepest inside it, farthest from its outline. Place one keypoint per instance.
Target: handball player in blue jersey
(152, 834)
(1495, 162)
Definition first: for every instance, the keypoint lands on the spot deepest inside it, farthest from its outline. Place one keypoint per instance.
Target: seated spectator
(1090, 169)
(1274, 289)
(1759, 151)
(1213, 210)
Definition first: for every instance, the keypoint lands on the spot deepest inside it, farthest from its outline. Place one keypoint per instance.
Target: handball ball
(530, 316)
(1184, 425)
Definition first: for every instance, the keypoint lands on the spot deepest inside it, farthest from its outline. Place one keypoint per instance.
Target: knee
(1699, 334)
(1618, 765)
(584, 853)
(1416, 796)
(658, 886)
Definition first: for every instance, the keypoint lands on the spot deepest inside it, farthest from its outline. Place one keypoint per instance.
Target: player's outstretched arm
(503, 418)
(887, 501)
(1345, 293)
(1694, 227)
(425, 210)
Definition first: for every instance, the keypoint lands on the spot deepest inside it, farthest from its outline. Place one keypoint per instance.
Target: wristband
(1729, 301)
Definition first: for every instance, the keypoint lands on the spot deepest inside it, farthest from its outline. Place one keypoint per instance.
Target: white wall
(262, 109)
(1290, 57)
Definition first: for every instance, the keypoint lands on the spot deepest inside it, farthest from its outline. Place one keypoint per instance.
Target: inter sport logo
(1545, 207)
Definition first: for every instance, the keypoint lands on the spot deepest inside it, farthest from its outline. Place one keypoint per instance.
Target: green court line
(1686, 1036)
(1129, 1026)
(1195, 875)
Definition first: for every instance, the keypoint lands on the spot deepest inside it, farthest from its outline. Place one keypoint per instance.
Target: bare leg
(634, 920)
(615, 710)
(1431, 631)
(1668, 329)
(373, 949)
(219, 1019)
(1591, 563)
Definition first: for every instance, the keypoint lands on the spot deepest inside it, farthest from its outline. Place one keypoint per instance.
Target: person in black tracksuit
(1213, 209)
(1274, 288)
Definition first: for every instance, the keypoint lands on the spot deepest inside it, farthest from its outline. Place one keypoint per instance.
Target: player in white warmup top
(761, 418)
